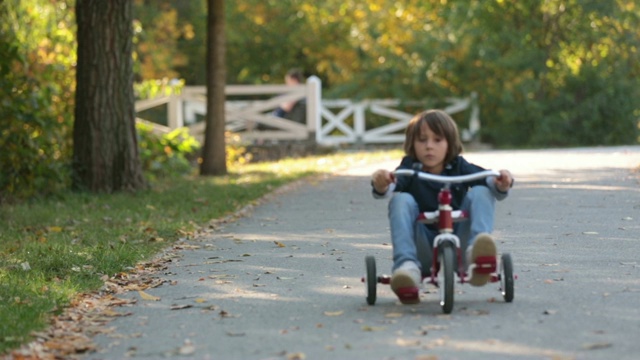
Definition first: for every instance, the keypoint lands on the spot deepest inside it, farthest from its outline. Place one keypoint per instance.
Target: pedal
(485, 265)
(408, 295)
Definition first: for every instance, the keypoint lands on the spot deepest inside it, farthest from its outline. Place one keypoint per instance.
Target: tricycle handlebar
(447, 179)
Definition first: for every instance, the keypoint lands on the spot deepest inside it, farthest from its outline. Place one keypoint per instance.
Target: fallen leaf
(111, 313)
(596, 346)
(235, 334)
(279, 244)
(187, 348)
(393, 315)
(333, 313)
(221, 276)
(372, 328)
(407, 342)
(225, 314)
(478, 312)
(148, 297)
(186, 247)
(433, 327)
(296, 356)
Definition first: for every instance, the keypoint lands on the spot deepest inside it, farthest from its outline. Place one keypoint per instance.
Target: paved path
(284, 283)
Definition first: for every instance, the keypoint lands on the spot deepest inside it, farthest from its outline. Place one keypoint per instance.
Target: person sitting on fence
(293, 110)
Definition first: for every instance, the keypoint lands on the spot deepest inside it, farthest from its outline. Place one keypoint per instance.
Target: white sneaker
(483, 246)
(405, 282)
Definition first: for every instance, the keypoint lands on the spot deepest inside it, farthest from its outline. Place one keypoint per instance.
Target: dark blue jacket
(426, 192)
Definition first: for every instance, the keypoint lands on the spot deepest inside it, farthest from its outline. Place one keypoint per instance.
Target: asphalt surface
(284, 282)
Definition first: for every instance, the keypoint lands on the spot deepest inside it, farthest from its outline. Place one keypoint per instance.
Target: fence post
(175, 114)
(474, 121)
(314, 106)
(359, 121)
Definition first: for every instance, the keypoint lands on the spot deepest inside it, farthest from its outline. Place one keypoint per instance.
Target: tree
(105, 147)
(214, 152)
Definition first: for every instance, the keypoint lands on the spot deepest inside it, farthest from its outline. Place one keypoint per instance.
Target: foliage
(36, 97)
(236, 153)
(165, 155)
(558, 76)
(552, 73)
(156, 33)
(174, 154)
(151, 88)
(539, 68)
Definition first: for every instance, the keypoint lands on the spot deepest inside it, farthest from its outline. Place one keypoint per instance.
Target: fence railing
(249, 110)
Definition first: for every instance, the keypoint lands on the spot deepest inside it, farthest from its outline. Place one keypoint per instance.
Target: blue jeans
(412, 240)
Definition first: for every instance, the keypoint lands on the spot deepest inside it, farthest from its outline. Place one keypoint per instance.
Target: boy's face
(431, 150)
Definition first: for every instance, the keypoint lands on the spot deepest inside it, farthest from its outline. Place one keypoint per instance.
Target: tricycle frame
(447, 252)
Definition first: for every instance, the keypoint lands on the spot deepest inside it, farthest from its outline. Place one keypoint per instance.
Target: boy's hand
(504, 182)
(381, 180)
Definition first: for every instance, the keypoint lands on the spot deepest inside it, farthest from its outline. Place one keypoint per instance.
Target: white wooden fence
(331, 122)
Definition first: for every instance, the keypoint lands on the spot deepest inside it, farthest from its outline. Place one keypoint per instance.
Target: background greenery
(547, 73)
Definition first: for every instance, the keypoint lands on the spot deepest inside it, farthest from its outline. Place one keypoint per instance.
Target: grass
(52, 250)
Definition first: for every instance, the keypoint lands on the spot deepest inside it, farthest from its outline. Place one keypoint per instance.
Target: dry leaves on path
(70, 334)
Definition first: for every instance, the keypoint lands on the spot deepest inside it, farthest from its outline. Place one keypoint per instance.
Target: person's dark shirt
(426, 192)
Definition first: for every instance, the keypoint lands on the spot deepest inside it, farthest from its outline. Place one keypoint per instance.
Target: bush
(166, 155)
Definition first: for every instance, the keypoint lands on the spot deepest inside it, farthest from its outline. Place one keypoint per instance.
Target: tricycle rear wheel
(506, 277)
(372, 279)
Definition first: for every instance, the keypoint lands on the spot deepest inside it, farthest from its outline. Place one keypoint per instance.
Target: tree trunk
(214, 160)
(105, 145)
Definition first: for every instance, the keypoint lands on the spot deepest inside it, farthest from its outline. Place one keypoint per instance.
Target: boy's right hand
(381, 180)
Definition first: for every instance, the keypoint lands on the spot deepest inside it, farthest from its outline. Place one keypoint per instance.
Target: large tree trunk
(214, 153)
(105, 146)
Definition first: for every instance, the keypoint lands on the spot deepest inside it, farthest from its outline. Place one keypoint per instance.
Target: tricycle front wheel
(447, 260)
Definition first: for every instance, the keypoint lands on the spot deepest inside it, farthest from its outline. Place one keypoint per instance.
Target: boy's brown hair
(441, 124)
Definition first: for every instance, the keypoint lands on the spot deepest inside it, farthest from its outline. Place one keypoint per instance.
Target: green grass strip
(51, 250)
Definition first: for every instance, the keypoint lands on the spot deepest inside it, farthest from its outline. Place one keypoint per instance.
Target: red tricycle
(446, 248)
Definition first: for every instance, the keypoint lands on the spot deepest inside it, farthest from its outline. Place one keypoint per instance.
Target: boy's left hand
(504, 182)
